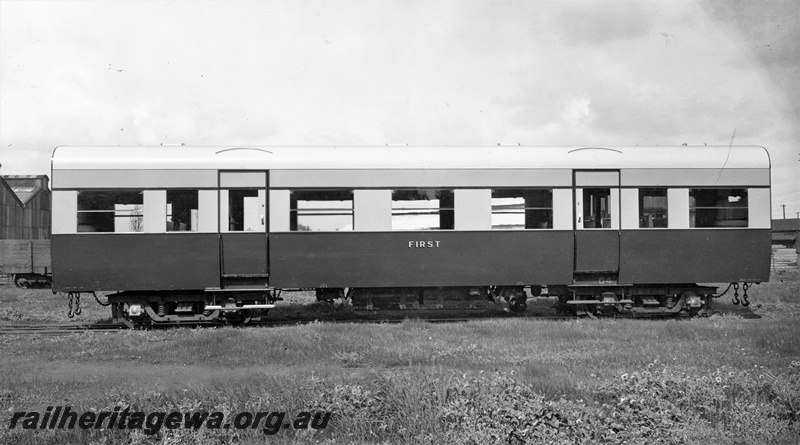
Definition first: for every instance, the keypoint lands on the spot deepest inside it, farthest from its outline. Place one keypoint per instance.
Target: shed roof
(25, 187)
(786, 225)
(10, 191)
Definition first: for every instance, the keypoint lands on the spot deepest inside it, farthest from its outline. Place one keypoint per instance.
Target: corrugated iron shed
(786, 225)
(785, 232)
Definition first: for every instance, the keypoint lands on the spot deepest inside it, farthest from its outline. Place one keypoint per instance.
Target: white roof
(393, 157)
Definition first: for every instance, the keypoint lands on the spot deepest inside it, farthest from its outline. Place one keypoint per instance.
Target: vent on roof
(243, 148)
(594, 148)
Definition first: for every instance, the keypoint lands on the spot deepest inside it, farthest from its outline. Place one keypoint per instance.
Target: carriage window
(718, 208)
(652, 207)
(182, 210)
(518, 209)
(244, 214)
(110, 211)
(423, 209)
(321, 210)
(597, 208)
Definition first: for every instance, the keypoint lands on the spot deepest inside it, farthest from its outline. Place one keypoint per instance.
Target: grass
(42, 306)
(488, 381)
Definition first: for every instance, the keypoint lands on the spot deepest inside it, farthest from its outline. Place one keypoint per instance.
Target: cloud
(598, 23)
(769, 35)
(353, 72)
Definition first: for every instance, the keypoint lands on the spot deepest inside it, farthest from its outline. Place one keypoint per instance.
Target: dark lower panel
(244, 253)
(596, 250)
(109, 262)
(412, 259)
(694, 255)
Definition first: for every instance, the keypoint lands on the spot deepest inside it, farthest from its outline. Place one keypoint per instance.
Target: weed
(11, 314)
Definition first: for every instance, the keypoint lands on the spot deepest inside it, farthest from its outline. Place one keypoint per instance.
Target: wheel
(237, 318)
(514, 296)
(139, 322)
(20, 281)
(516, 304)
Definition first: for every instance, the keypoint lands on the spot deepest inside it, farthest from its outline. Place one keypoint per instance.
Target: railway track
(56, 329)
(392, 320)
(63, 329)
(289, 319)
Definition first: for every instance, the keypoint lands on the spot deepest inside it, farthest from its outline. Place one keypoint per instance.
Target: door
(597, 221)
(243, 226)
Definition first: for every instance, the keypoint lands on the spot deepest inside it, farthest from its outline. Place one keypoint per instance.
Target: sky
(376, 72)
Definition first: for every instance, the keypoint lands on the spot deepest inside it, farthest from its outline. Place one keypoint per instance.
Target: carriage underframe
(139, 309)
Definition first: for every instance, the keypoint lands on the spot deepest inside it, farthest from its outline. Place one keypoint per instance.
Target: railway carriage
(192, 234)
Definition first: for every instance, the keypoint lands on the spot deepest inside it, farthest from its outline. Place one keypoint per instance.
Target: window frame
(642, 193)
(86, 214)
(606, 219)
(526, 211)
(170, 211)
(731, 210)
(296, 212)
(445, 211)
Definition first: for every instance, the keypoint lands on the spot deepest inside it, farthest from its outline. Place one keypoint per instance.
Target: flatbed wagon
(27, 262)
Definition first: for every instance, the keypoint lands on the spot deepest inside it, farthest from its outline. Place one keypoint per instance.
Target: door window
(597, 208)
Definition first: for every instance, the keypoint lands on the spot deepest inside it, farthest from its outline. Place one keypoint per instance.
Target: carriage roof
(405, 157)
